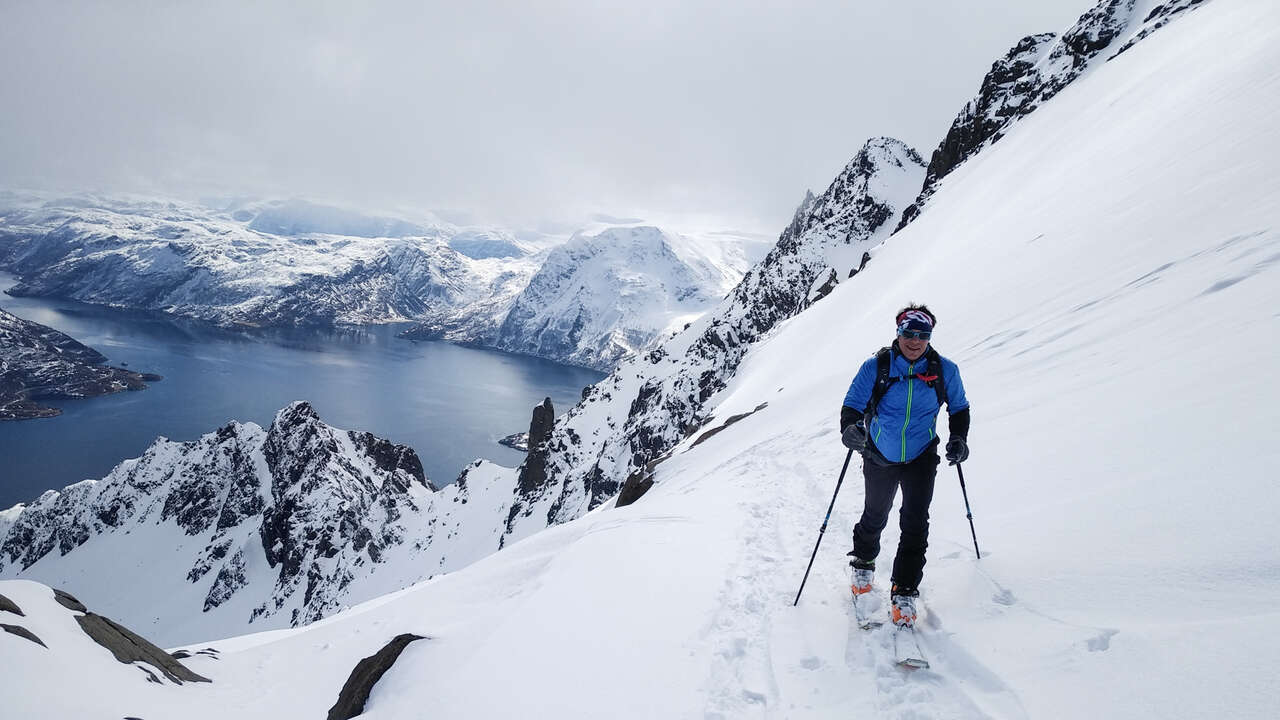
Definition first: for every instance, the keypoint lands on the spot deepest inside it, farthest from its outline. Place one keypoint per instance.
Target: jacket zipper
(911, 369)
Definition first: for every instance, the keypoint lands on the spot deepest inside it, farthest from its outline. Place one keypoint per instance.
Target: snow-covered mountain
(38, 363)
(247, 529)
(602, 297)
(225, 267)
(588, 299)
(1137, 231)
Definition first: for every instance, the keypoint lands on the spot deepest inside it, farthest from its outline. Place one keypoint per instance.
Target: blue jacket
(905, 421)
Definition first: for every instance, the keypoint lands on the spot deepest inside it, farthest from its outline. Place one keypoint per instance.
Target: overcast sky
(699, 114)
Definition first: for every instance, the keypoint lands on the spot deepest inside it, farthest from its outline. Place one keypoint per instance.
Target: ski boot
(902, 611)
(863, 573)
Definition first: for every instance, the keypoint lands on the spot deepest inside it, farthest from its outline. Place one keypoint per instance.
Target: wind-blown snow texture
(1128, 565)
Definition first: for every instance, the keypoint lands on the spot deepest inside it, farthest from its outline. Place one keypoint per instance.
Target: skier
(889, 415)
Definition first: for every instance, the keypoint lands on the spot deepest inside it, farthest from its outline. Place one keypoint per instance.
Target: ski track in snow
(771, 660)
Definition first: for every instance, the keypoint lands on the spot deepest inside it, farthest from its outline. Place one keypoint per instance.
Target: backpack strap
(932, 376)
(883, 381)
(935, 378)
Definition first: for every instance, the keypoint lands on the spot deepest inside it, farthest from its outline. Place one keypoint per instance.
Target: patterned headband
(909, 317)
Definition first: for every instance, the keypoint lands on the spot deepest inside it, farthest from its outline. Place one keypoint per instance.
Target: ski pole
(968, 512)
(824, 526)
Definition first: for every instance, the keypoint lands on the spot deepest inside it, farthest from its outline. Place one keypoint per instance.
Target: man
(890, 417)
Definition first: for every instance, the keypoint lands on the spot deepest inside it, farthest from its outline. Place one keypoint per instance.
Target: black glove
(957, 450)
(854, 437)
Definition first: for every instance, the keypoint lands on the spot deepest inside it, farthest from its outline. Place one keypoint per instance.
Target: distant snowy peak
(299, 217)
(1036, 69)
(488, 244)
(280, 526)
(652, 402)
(602, 295)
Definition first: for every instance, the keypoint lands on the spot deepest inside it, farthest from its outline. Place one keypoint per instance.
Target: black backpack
(932, 376)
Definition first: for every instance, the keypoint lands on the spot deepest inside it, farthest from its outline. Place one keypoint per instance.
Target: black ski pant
(882, 482)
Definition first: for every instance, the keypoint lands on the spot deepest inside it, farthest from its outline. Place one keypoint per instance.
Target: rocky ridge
(1034, 70)
(276, 527)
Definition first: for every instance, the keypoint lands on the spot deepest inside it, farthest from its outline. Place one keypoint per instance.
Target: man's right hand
(854, 437)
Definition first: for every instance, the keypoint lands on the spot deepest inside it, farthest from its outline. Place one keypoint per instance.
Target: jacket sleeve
(848, 416)
(859, 393)
(957, 403)
(956, 400)
(958, 424)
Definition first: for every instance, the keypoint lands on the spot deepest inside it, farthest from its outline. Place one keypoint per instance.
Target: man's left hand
(957, 450)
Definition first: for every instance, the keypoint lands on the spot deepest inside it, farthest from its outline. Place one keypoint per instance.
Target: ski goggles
(915, 334)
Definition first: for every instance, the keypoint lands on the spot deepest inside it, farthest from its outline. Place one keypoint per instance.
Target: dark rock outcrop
(7, 605)
(534, 470)
(367, 673)
(22, 633)
(544, 416)
(129, 647)
(68, 601)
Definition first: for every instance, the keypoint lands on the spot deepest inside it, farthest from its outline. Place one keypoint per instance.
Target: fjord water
(451, 404)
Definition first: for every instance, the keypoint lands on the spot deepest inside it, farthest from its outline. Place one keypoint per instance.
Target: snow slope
(1098, 274)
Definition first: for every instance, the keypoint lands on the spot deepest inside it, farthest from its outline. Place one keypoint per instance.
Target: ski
(865, 611)
(906, 648)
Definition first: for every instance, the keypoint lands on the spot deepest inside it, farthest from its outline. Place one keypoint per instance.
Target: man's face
(913, 346)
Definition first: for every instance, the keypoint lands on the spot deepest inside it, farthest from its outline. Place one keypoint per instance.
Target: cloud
(515, 111)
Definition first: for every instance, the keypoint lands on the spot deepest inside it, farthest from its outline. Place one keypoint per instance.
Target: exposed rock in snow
(128, 647)
(77, 646)
(652, 402)
(275, 527)
(366, 674)
(1037, 68)
(39, 363)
